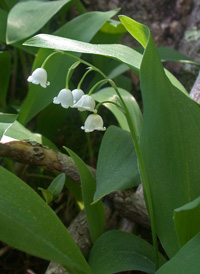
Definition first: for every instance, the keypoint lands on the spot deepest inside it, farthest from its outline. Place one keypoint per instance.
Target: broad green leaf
(38, 98)
(117, 163)
(111, 32)
(28, 224)
(175, 82)
(113, 26)
(117, 251)
(185, 261)
(187, 221)
(54, 189)
(3, 26)
(169, 140)
(90, 21)
(168, 54)
(3, 19)
(110, 94)
(119, 52)
(95, 212)
(5, 68)
(19, 132)
(6, 120)
(122, 53)
(26, 18)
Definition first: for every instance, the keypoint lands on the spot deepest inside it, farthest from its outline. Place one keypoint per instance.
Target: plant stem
(143, 175)
(96, 85)
(110, 102)
(73, 66)
(81, 81)
(48, 57)
(84, 62)
(146, 188)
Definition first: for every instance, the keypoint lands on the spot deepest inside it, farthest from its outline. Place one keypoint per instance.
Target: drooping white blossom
(39, 77)
(85, 103)
(77, 94)
(65, 98)
(93, 122)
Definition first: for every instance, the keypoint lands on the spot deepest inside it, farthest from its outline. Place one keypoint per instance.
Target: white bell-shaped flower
(39, 76)
(93, 122)
(77, 94)
(85, 103)
(65, 98)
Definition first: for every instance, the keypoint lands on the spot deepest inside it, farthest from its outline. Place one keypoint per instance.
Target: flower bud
(65, 98)
(39, 76)
(93, 122)
(85, 103)
(77, 94)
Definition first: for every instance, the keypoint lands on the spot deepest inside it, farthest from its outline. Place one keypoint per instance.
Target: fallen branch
(127, 202)
(32, 153)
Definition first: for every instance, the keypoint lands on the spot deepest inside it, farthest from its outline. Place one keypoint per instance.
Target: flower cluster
(74, 99)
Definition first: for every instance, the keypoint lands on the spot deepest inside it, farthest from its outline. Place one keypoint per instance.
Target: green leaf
(48, 196)
(117, 163)
(38, 98)
(10, 3)
(119, 52)
(5, 68)
(122, 53)
(54, 189)
(29, 224)
(90, 21)
(117, 251)
(132, 105)
(6, 120)
(187, 221)
(185, 261)
(172, 55)
(113, 27)
(95, 212)
(3, 26)
(57, 185)
(111, 32)
(168, 54)
(19, 132)
(26, 18)
(169, 140)
(3, 19)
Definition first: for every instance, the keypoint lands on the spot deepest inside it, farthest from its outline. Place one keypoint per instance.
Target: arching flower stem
(73, 66)
(48, 57)
(83, 77)
(96, 85)
(104, 102)
(84, 62)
